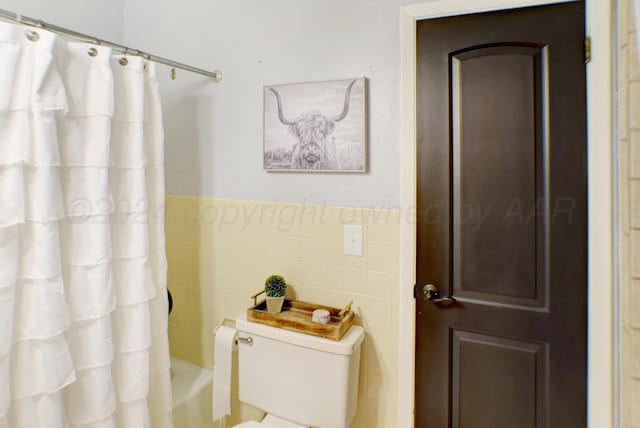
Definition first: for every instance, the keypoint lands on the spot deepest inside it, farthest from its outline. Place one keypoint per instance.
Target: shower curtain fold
(82, 261)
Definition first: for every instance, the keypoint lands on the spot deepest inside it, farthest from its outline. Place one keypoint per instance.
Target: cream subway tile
(381, 217)
(207, 277)
(624, 184)
(329, 277)
(333, 253)
(344, 215)
(380, 334)
(635, 253)
(635, 403)
(623, 112)
(633, 353)
(380, 361)
(635, 305)
(355, 280)
(323, 296)
(186, 255)
(205, 257)
(298, 273)
(376, 309)
(386, 235)
(263, 266)
(623, 70)
(307, 224)
(289, 247)
(359, 420)
(380, 284)
(331, 232)
(626, 401)
(191, 275)
(630, 24)
(180, 210)
(634, 105)
(230, 240)
(625, 270)
(626, 304)
(170, 232)
(229, 262)
(623, 22)
(632, 54)
(395, 289)
(381, 388)
(207, 235)
(332, 220)
(634, 154)
(634, 191)
(380, 414)
(383, 259)
(259, 245)
(179, 345)
(308, 250)
(240, 286)
(174, 275)
(626, 357)
(362, 385)
(186, 234)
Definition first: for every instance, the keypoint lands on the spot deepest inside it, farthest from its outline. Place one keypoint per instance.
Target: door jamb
(600, 351)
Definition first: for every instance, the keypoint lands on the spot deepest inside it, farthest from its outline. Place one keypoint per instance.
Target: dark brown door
(502, 220)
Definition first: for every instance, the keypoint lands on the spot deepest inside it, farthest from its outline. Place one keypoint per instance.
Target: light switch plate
(353, 239)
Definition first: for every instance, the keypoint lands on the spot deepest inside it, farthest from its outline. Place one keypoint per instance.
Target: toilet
(299, 380)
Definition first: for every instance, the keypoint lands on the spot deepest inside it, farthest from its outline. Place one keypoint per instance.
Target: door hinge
(587, 50)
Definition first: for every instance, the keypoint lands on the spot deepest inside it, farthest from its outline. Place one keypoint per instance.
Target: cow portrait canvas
(315, 127)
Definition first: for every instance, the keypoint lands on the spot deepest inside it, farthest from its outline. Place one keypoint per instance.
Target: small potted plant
(274, 288)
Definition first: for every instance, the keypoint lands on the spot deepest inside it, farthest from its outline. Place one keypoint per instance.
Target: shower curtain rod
(216, 75)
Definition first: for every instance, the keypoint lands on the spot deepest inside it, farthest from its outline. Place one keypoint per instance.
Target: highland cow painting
(315, 127)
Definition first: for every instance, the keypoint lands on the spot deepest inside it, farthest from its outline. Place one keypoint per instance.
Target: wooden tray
(296, 316)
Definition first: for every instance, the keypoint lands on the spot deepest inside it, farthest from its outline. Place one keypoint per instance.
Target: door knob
(432, 294)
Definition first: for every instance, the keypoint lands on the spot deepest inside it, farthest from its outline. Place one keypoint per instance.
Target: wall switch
(353, 239)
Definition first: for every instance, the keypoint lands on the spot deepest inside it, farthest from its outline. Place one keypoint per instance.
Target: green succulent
(275, 286)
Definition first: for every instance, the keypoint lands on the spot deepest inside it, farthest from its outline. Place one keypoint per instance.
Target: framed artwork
(315, 127)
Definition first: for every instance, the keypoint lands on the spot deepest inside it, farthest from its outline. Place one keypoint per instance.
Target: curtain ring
(19, 18)
(39, 23)
(33, 35)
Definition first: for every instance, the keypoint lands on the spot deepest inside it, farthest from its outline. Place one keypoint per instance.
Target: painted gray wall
(214, 131)
(98, 18)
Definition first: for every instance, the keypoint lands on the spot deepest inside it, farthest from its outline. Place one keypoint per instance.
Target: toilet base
(269, 421)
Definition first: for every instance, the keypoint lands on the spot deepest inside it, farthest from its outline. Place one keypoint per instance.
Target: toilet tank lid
(345, 346)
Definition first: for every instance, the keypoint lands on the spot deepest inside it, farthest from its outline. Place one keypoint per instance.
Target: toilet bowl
(298, 380)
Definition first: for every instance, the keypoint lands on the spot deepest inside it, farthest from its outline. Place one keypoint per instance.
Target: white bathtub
(191, 386)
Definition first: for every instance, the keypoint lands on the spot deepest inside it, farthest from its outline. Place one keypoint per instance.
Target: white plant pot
(274, 304)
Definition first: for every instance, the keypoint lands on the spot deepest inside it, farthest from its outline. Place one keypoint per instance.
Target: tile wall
(629, 211)
(220, 252)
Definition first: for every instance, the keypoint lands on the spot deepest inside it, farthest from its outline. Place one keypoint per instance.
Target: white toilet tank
(302, 378)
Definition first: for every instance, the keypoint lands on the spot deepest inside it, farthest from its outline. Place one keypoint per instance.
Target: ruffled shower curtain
(83, 307)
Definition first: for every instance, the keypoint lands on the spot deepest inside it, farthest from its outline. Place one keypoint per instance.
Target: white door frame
(600, 361)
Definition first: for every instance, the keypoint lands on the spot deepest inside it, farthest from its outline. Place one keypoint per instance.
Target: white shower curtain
(83, 307)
